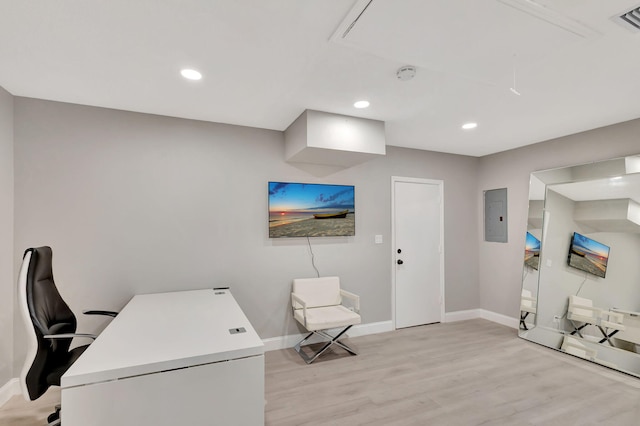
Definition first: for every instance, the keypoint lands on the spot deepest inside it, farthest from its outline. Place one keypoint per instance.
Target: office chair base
(54, 418)
(332, 340)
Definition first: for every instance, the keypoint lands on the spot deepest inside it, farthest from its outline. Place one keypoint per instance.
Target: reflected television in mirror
(601, 201)
(311, 210)
(588, 255)
(532, 251)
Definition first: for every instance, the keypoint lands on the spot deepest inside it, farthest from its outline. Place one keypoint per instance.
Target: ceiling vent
(538, 10)
(630, 20)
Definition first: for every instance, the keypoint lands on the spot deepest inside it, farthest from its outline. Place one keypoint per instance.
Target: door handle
(400, 262)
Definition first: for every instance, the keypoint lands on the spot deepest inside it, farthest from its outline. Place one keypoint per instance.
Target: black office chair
(51, 326)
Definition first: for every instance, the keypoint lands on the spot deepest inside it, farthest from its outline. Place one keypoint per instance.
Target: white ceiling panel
(264, 62)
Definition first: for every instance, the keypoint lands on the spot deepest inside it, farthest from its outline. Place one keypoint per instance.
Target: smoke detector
(406, 72)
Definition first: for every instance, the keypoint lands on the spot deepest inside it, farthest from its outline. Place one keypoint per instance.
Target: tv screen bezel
(318, 208)
(578, 267)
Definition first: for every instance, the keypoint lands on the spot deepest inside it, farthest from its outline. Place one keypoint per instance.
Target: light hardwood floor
(463, 373)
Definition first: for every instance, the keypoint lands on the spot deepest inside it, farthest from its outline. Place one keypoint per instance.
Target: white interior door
(418, 252)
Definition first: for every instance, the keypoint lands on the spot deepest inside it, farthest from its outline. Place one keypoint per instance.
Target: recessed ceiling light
(190, 74)
(361, 104)
(469, 126)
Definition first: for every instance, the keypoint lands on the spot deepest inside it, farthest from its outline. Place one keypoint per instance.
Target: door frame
(440, 184)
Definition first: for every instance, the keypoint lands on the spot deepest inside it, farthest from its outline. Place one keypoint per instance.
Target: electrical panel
(495, 215)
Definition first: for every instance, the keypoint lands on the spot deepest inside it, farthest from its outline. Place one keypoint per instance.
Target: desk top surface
(166, 331)
(623, 311)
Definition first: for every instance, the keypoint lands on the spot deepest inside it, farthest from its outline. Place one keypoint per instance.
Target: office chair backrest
(44, 312)
(317, 292)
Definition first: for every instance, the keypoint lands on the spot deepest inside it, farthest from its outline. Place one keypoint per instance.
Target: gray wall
(500, 267)
(620, 287)
(6, 236)
(134, 203)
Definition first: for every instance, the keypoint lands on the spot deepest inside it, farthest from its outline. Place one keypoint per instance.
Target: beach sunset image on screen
(588, 255)
(532, 251)
(311, 210)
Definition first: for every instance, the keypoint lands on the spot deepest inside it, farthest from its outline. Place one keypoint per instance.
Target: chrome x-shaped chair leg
(523, 316)
(607, 337)
(332, 340)
(577, 329)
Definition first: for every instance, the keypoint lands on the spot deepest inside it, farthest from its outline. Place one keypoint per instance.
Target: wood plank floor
(464, 373)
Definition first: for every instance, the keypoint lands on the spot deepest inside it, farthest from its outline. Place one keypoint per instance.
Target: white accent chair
(528, 306)
(575, 347)
(609, 324)
(581, 310)
(317, 305)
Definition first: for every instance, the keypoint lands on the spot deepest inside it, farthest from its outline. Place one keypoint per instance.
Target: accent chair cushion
(326, 317)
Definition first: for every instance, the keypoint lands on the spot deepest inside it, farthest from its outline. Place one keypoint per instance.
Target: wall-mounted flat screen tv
(588, 255)
(532, 251)
(311, 210)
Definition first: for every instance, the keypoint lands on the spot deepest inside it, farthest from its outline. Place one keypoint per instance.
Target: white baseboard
(499, 318)
(11, 388)
(462, 315)
(371, 328)
(484, 314)
(284, 342)
(289, 341)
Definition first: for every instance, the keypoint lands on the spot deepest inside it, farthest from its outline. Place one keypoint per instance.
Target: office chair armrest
(353, 297)
(100, 312)
(69, 336)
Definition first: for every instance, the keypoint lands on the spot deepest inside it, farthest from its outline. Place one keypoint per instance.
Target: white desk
(631, 322)
(170, 359)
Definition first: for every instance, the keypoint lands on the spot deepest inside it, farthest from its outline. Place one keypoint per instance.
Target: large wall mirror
(581, 279)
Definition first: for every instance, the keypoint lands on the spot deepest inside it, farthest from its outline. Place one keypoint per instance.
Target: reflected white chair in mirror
(528, 305)
(610, 323)
(581, 313)
(317, 305)
(574, 346)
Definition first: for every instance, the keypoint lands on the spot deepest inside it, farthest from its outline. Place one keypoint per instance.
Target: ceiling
(616, 178)
(616, 188)
(265, 62)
